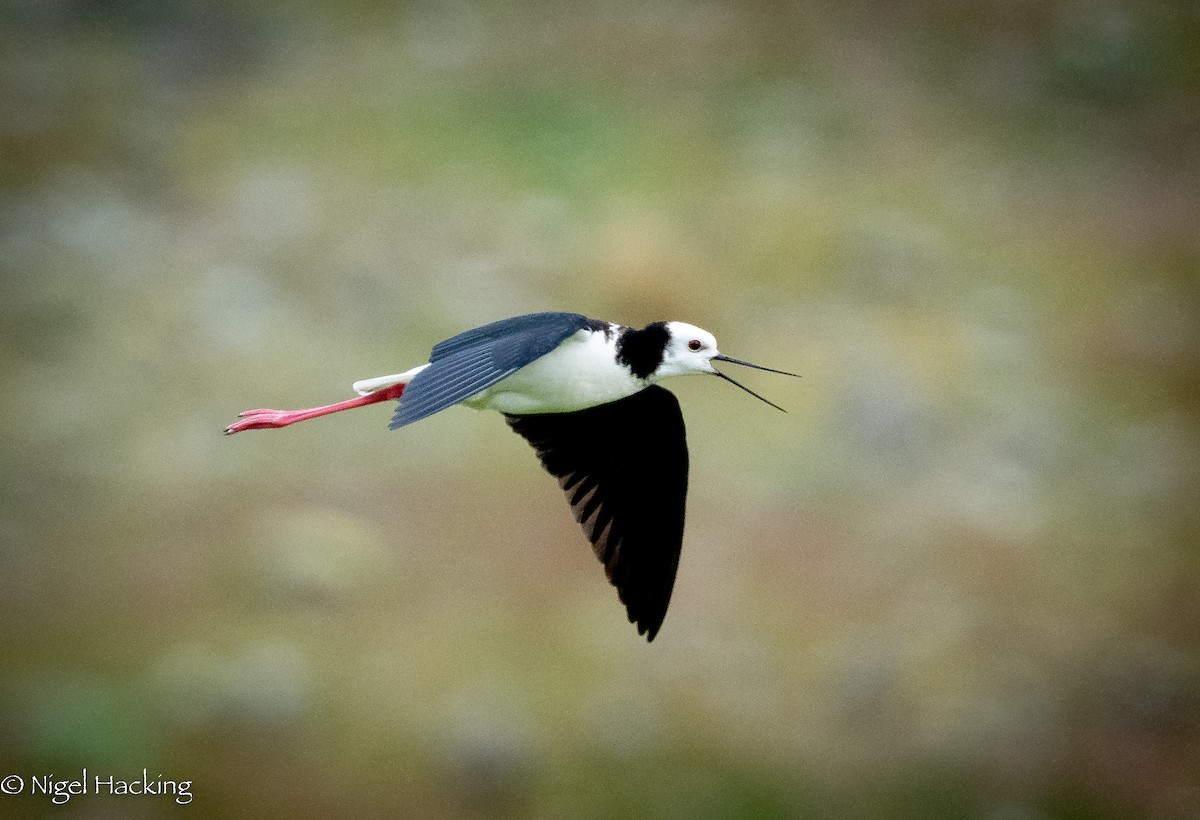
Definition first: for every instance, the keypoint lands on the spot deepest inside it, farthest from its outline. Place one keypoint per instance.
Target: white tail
(368, 386)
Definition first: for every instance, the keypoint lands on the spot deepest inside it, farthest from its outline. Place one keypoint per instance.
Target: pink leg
(264, 419)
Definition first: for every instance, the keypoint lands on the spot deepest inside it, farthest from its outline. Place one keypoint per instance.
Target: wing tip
(648, 630)
(398, 420)
(648, 623)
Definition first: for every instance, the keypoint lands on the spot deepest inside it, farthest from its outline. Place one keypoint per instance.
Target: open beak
(731, 360)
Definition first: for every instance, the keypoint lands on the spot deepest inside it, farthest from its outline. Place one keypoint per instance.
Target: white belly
(581, 372)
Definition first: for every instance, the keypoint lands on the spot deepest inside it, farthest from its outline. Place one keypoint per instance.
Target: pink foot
(265, 419)
(262, 420)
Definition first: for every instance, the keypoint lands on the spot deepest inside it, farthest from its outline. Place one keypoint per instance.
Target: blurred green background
(961, 578)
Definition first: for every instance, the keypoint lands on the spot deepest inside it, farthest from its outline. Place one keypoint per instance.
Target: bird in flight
(585, 394)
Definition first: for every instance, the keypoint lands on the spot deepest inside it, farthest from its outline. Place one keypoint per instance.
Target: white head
(690, 349)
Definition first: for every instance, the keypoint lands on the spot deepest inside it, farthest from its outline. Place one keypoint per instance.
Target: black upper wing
(624, 469)
(473, 361)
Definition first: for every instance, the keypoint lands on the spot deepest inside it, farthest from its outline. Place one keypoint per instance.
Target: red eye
(694, 345)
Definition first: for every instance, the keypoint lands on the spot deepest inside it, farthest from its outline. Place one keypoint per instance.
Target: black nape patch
(642, 350)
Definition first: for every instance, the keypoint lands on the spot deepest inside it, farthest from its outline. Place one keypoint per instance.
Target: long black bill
(731, 360)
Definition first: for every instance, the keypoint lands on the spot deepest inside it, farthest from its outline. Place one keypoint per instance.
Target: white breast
(581, 372)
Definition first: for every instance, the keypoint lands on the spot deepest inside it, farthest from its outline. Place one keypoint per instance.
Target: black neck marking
(642, 350)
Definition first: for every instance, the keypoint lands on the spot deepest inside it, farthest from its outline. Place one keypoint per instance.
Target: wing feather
(623, 467)
(473, 361)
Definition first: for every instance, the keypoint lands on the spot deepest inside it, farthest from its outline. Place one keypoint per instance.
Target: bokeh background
(960, 578)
